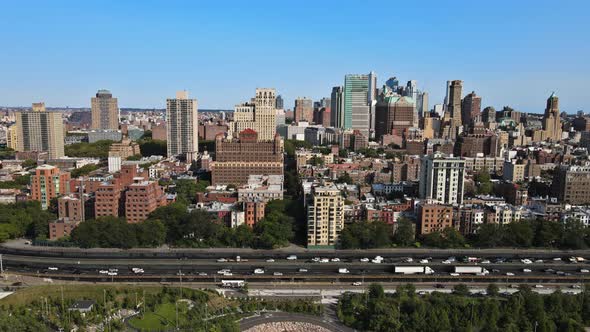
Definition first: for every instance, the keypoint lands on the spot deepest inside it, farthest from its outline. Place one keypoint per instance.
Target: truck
(413, 270)
(478, 270)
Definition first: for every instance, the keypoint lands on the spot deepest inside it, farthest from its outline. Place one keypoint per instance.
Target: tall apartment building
(325, 217)
(336, 107)
(357, 108)
(182, 123)
(141, 198)
(236, 159)
(105, 111)
(108, 200)
(40, 130)
(11, 137)
(259, 115)
(47, 183)
(279, 103)
(303, 109)
(471, 109)
(442, 179)
(571, 184)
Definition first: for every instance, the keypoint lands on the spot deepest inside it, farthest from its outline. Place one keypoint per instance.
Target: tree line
(405, 310)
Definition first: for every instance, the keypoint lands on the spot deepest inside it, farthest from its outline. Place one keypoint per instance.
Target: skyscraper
(394, 114)
(357, 109)
(303, 109)
(552, 119)
(442, 179)
(471, 109)
(325, 217)
(422, 103)
(259, 115)
(392, 83)
(105, 111)
(337, 107)
(454, 103)
(40, 130)
(279, 103)
(182, 126)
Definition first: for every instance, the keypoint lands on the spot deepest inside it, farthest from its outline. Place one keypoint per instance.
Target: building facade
(325, 217)
(182, 123)
(259, 115)
(303, 109)
(48, 183)
(105, 111)
(40, 130)
(141, 198)
(357, 110)
(442, 179)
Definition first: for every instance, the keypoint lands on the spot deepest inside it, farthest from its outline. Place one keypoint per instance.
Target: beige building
(11, 137)
(105, 111)
(514, 170)
(40, 130)
(325, 217)
(259, 114)
(551, 122)
(182, 126)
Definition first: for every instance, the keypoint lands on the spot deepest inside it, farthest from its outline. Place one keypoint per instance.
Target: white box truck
(413, 270)
(478, 270)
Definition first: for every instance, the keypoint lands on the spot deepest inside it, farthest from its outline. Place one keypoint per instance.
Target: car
(28, 242)
(270, 260)
(52, 268)
(500, 261)
(202, 274)
(302, 270)
(112, 274)
(259, 271)
(324, 260)
(180, 273)
(291, 258)
(424, 261)
(538, 261)
(223, 271)
(486, 261)
(103, 271)
(343, 270)
(364, 260)
(376, 261)
(549, 270)
(335, 259)
(446, 261)
(557, 259)
(113, 270)
(567, 274)
(357, 283)
(277, 274)
(452, 259)
(228, 274)
(539, 286)
(137, 270)
(526, 270)
(495, 271)
(509, 274)
(584, 271)
(454, 274)
(409, 260)
(526, 261)
(221, 260)
(576, 286)
(513, 286)
(422, 293)
(315, 259)
(560, 273)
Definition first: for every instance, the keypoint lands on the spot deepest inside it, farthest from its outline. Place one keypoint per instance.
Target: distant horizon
(509, 53)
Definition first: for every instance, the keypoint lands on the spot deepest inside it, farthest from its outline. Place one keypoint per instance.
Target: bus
(233, 283)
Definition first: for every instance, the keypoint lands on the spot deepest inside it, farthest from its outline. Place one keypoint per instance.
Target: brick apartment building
(141, 198)
(48, 183)
(434, 218)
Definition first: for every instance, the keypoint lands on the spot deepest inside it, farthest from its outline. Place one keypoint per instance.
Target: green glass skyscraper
(357, 108)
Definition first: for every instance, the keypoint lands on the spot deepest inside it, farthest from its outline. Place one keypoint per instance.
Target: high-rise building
(442, 179)
(392, 83)
(47, 183)
(40, 130)
(337, 107)
(325, 217)
(259, 115)
(279, 103)
(11, 137)
(237, 159)
(105, 111)
(421, 103)
(394, 115)
(454, 103)
(471, 109)
(182, 123)
(357, 107)
(552, 120)
(303, 110)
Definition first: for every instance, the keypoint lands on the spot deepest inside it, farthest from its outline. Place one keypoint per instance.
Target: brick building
(434, 217)
(47, 183)
(141, 198)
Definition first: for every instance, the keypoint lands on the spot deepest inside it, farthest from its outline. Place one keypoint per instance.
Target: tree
(492, 290)
(344, 178)
(186, 191)
(84, 170)
(153, 148)
(98, 149)
(404, 234)
(484, 184)
(461, 290)
(376, 291)
(151, 233)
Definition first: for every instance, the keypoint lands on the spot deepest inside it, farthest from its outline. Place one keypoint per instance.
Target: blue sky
(510, 52)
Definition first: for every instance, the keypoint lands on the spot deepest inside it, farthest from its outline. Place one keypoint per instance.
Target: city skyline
(508, 57)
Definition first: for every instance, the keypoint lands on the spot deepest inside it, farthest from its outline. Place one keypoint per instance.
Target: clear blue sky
(510, 52)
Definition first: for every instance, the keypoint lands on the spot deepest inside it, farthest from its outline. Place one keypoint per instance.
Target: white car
(228, 274)
(538, 261)
(509, 274)
(324, 260)
(454, 274)
(223, 271)
(485, 261)
(409, 260)
(221, 260)
(259, 271)
(291, 258)
(335, 259)
(376, 261)
(277, 274)
(538, 286)
(202, 274)
(315, 259)
(357, 283)
(526, 270)
(112, 274)
(526, 261)
(364, 260)
(103, 271)
(270, 260)
(302, 270)
(584, 271)
(557, 259)
(424, 261)
(446, 261)
(343, 271)
(52, 268)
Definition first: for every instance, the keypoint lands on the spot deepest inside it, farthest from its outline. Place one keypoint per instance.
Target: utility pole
(176, 304)
(1, 266)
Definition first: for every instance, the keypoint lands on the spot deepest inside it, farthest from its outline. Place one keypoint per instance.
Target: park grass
(163, 318)
(74, 292)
